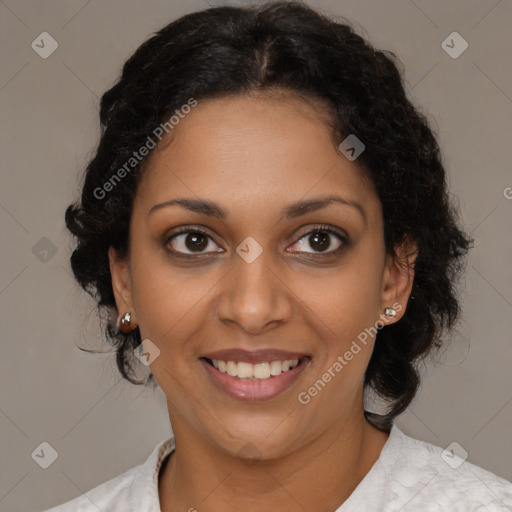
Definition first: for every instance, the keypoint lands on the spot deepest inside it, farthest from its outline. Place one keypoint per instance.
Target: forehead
(251, 152)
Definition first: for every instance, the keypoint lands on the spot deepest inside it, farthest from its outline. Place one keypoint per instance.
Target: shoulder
(442, 479)
(135, 489)
(112, 495)
(413, 475)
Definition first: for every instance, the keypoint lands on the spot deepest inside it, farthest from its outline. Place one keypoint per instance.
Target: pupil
(196, 241)
(321, 239)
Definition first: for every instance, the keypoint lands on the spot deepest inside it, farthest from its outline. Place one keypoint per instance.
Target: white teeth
(275, 368)
(244, 370)
(261, 370)
(231, 368)
(250, 371)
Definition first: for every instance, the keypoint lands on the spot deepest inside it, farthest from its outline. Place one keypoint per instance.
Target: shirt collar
(144, 487)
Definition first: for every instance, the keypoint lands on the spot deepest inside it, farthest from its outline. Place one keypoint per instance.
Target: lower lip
(263, 389)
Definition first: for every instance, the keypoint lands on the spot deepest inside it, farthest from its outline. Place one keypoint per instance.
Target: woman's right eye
(193, 240)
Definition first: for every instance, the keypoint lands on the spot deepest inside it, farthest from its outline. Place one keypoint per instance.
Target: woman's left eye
(321, 240)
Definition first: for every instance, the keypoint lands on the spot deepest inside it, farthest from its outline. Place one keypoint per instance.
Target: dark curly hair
(236, 50)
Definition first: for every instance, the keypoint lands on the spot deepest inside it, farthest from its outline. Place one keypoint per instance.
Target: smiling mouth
(255, 372)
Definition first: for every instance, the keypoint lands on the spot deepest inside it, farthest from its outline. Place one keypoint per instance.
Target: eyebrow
(292, 211)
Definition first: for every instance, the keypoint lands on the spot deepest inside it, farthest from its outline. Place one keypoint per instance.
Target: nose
(254, 296)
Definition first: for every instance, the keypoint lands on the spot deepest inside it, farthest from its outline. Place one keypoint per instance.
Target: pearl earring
(124, 323)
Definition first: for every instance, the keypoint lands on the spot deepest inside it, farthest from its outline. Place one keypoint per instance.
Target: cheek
(345, 311)
(170, 301)
(345, 299)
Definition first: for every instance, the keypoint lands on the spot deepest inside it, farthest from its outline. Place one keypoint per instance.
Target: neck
(324, 471)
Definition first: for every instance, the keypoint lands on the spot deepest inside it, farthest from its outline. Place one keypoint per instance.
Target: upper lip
(254, 356)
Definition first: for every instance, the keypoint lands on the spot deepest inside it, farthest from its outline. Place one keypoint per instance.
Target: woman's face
(260, 280)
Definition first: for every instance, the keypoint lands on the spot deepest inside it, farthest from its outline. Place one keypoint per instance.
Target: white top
(409, 475)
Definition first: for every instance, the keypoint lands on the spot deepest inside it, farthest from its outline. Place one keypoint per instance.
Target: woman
(267, 217)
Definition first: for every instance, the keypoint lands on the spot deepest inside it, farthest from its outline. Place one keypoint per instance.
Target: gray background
(77, 402)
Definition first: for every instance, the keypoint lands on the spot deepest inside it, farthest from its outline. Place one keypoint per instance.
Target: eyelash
(320, 228)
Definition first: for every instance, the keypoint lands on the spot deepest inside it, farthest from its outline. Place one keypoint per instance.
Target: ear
(398, 279)
(121, 283)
